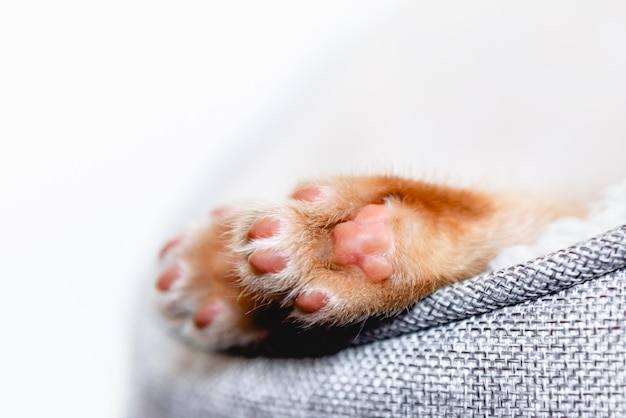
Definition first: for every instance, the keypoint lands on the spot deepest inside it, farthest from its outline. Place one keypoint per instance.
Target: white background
(120, 119)
(110, 113)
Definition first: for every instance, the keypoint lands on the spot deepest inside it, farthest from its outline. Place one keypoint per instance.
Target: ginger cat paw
(337, 251)
(198, 292)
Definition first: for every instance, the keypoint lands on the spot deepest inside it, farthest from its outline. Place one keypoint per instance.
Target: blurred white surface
(118, 120)
(110, 114)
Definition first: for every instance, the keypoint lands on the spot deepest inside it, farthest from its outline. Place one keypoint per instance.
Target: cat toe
(268, 261)
(307, 194)
(168, 277)
(312, 301)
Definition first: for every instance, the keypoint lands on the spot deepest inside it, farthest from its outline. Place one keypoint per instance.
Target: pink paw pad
(312, 301)
(264, 228)
(266, 260)
(205, 314)
(168, 277)
(307, 194)
(365, 241)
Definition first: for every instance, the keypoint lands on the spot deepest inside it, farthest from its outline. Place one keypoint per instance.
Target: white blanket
(604, 214)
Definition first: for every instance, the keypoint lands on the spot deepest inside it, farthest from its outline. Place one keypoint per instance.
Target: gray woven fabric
(568, 267)
(546, 338)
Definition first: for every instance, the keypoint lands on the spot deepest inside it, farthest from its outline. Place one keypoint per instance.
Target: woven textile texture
(545, 339)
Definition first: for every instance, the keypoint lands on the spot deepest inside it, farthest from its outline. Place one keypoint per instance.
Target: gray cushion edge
(524, 282)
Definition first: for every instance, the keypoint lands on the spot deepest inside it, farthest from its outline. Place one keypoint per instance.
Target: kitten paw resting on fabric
(336, 251)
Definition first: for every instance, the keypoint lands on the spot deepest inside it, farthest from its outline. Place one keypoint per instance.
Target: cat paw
(330, 254)
(198, 292)
(336, 252)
